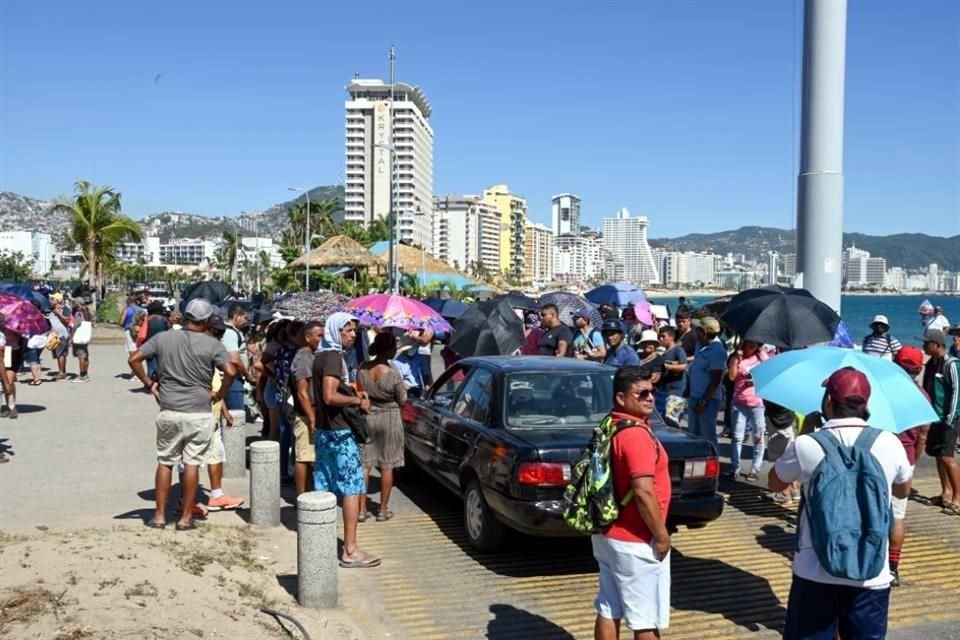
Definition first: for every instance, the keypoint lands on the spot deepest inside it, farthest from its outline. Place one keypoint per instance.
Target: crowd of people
(851, 526)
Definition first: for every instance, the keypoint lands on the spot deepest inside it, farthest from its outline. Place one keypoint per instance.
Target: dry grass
(23, 604)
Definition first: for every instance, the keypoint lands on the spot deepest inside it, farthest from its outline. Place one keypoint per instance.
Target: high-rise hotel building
(370, 121)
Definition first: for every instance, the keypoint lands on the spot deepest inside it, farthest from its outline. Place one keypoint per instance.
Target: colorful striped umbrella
(386, 310)
(22, 316)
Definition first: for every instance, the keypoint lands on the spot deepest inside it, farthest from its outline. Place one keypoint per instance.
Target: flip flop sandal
(155, 525)
(950, 508)
(35, 383)
(935, 501)
(363, 561)
(363, 517)
(383, 516)
(187, 527)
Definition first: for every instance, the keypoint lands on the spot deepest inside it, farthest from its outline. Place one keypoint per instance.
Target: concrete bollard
(264, 485)
(317, 550)
(235, 444)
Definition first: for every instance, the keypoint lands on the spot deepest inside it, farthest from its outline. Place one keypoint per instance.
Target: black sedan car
(503, 432)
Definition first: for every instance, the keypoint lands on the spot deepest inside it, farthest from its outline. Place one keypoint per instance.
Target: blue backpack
(847, 502)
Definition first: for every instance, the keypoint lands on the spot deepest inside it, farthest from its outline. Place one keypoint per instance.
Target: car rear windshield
(550, 399)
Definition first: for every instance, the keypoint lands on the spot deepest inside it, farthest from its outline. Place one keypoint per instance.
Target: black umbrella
(487, 328)
(517, 300)
(786, 318)
(213, 291)
(447, 307)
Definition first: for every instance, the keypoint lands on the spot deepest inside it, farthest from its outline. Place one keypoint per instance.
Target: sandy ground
(76, 560)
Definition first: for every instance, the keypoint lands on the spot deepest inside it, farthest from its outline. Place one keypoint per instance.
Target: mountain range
(908, 250)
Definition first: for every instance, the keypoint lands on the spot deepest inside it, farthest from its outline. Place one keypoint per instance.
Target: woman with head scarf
(338, 468)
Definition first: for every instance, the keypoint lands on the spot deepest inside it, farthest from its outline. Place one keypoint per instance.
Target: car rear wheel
(484, 531)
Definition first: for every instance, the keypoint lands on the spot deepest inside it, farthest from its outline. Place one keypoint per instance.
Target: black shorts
(941, 440)
(81, 351)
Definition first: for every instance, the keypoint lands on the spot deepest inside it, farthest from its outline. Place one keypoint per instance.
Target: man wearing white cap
(880, 343)
(185, 364)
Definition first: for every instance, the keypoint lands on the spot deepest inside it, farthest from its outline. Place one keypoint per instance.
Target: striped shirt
(884, 346)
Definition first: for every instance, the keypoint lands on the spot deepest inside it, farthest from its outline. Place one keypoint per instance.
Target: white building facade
(580, 259)
(466, 230)
(537, 254)
(33, 246)
(371, 127)
(565, 214)
(626, 240)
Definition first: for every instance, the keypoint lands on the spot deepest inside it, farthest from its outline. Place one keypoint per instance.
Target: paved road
(82, 455)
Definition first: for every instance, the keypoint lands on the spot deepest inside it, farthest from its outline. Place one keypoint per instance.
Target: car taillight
(705, 468)
(543, 473)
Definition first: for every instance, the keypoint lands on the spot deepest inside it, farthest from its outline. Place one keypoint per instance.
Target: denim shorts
(234, 397)
(33, 356)
(338, 468)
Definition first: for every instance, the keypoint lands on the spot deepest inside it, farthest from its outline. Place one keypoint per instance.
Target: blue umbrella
(617, 293)
(27, 292)
(794, 380)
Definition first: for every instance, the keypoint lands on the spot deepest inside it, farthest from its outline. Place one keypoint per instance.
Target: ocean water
(858, 311)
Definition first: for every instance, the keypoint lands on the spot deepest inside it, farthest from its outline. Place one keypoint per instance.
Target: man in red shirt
(634, 551)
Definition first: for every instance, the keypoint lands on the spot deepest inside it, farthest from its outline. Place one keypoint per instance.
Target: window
(474, 401)
(552, 400)
(446, 387)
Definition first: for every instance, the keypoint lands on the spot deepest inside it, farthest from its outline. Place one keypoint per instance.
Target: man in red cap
(820, 602)
(913, 440)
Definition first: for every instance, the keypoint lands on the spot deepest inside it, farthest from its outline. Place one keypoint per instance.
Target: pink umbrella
(644, 313)
(22, 316)
(386, 310)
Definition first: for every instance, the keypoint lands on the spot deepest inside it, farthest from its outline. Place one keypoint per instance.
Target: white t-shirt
(802, 457)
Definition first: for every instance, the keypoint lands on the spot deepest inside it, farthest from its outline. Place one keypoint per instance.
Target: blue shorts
(270, 395)
(337, 468)
(33, 356)
(815, 611)
(234, 397)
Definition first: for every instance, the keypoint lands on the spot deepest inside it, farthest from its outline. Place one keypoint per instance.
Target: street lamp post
(306, 194)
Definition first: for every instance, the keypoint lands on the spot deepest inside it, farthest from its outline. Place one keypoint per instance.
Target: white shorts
(634, 585)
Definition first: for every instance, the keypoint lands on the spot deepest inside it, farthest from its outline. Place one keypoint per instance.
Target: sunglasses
(646, 394)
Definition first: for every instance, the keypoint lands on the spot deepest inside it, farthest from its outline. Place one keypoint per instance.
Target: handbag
(84, 333)
(38, 341)
(356, 419)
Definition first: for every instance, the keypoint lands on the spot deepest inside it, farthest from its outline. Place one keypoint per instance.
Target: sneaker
(12, 414)
(83, 379)
(896, 578)
(5, 412)
(223, 503)
(781, 498)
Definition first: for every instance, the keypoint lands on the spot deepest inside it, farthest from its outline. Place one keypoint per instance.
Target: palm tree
(321, 217)
(230, 253)
(97, 225)
(411, 286)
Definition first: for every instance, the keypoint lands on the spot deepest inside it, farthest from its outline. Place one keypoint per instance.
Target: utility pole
(820, 183)
(391, 217)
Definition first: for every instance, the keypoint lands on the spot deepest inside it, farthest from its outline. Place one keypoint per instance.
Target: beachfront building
(625, 238)
(33, 246)
(537, 254)
(371, 127)
(895, 278)
(513, 221)
(581, 260)
(688, 267)
(187, 251)
(565, 214)
(773, 267)
(466, 232)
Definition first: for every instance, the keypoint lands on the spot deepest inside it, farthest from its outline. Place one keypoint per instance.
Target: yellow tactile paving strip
(729, 579)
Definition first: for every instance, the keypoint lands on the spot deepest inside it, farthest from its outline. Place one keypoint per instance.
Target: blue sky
(684, 111)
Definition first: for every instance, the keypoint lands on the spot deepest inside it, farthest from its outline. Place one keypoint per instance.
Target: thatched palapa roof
(340, 251)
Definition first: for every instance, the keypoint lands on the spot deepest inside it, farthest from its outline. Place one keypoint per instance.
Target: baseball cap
(848, 386)
(880, 319)
(708, 324)
(909, 357)
(582, 312)
(216, 323)
(198, 310)
(611, 324)
(934, 335)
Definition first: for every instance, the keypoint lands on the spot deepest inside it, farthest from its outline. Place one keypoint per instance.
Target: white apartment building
(895, 278)
(252, 247)
(864, 271)
(466, 230)
(933, 277)
(690, 268)
(773, 267)
(580, 259)
(566, 214)
(187, 252)
(626, 240)
(32, 245)
(537, 254)
(371, 127)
